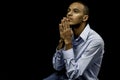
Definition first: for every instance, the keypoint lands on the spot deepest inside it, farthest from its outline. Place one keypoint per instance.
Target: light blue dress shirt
(84, 59)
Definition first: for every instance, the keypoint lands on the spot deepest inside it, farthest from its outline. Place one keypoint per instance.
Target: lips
(69, 19)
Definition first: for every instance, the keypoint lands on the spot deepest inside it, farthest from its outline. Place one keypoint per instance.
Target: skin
(75, 19)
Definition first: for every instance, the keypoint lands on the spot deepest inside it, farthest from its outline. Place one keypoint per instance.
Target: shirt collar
(85, 32)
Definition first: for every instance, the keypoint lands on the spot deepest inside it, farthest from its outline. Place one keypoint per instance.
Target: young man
(80, 50)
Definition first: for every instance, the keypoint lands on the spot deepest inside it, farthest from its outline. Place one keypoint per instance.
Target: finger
(60, 27)
(62, 21)
(65, 23)
(60, 30)
(71, 32)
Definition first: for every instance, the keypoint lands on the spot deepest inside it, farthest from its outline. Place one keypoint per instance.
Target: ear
(85, 17)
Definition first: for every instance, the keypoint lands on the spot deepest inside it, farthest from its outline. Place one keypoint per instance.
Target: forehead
(76, 5)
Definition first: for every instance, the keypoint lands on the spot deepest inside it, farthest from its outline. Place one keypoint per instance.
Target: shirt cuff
(68, 54)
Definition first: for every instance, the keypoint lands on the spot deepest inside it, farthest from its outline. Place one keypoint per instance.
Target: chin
(72, 24)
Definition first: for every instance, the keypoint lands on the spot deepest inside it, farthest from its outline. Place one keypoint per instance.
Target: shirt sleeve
(58, 61)
(76, 68)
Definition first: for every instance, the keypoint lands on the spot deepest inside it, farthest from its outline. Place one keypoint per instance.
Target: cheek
(75, 21)
(78, 19)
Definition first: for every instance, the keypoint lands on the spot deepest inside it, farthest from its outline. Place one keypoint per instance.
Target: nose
(69, 13)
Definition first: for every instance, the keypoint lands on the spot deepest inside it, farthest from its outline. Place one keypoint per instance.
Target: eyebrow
(75, 9)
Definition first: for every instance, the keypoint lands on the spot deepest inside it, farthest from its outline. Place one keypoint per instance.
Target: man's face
(75, 13)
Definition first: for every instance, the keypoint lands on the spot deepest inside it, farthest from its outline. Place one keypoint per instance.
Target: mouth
(69, 19)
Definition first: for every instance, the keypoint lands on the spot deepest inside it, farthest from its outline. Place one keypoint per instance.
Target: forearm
(71, 66)
(58, 61)
(74, 68)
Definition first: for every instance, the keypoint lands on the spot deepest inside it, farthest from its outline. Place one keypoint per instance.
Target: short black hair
(84, 2)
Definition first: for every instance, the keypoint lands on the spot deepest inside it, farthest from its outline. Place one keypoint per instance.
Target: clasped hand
(65, 31)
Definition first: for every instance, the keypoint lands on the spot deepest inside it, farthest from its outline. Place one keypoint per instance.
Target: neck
(77, 29)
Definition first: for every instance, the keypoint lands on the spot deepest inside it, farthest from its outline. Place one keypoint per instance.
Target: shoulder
(95, 38)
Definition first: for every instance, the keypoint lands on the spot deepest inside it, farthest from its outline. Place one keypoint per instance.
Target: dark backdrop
(46, 36)
(31, 36)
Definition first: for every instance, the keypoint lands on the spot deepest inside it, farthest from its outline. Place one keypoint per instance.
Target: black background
(103, 17)
(30, 36)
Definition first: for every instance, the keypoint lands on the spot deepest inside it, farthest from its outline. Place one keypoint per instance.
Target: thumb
(71, 32)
